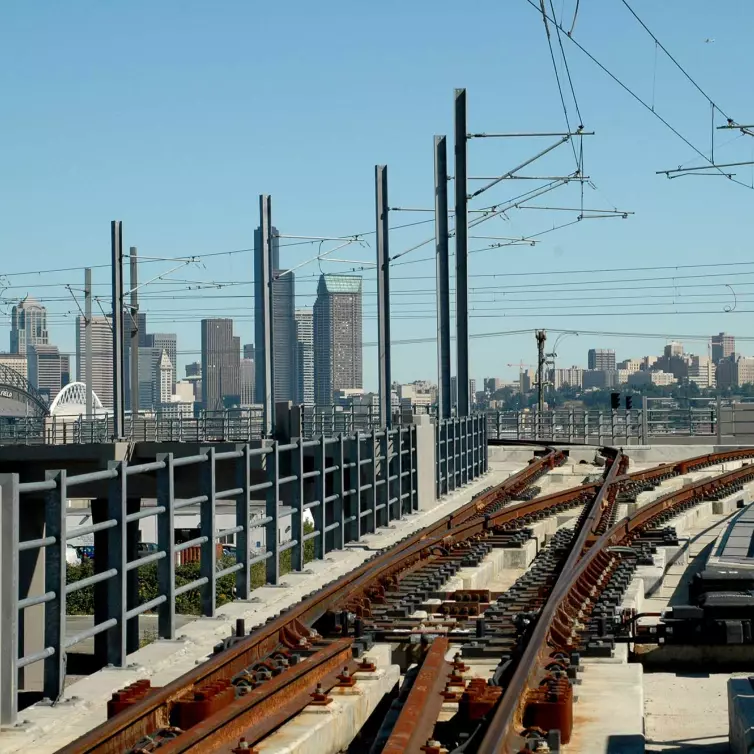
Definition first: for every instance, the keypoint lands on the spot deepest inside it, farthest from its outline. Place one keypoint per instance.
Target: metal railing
(350, 485)
(460, 452)
(570, 425)
(230, 425)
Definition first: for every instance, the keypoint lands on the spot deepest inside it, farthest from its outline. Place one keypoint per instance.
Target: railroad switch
(128, 696)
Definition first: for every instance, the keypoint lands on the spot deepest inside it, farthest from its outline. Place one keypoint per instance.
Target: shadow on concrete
(704, 745)
(625, 743)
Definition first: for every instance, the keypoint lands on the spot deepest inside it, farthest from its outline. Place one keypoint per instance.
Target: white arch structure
(71, 401)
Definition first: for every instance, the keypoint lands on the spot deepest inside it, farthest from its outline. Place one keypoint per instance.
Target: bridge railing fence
(346, 485)
(460, 452)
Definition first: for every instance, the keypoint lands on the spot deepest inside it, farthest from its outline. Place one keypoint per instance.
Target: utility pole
(383, 295)
(443, 278)
(462, 252)
(116, 244)
(134, 354)
(88, 340)
(541, 363)
(265, 227)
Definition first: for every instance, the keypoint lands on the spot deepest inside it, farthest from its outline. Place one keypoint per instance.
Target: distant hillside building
(601, 358)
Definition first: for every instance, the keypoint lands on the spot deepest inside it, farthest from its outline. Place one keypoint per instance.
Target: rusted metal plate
(421, 709)
(254, 715)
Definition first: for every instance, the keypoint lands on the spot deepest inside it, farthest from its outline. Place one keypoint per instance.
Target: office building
(176, 408)
(639, 379)
(599, 378)
(337, 336)
(248, 351)
(630, 365)
(44, 371)
(673, 349)
(304, 368)
(149, 378)
(102, 357)
(28, 325)
(723, 347)
(572, 377)
(194, 369)
(601, 358)
(65, 369)
(701, 370)
(15, 361)
(165, 341)
(247, 379)
(184, 390)
(735, 372)
(167, 377)
(283, 323)
(221, 356)
(492, 384)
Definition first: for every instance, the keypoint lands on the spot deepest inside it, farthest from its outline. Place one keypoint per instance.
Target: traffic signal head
(629, 402)
(615, 401)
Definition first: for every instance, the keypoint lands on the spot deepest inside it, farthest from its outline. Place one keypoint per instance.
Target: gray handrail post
(644, 420)
(243, 520)
(55, 578)
(9, 581)
(719, 422)
(207, 528)
(271, 535)
(166, 543)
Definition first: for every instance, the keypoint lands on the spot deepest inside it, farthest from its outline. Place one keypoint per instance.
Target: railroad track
(239, 696)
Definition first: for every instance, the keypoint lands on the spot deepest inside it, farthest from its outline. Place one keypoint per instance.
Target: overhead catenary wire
(635, 96)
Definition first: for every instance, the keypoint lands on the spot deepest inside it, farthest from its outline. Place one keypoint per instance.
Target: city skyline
(699, 368)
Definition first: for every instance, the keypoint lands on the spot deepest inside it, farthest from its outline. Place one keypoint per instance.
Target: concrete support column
(31, 580)
(425, 461)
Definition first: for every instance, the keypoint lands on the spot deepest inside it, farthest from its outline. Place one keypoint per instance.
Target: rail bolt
(319, 697)
(345, 679)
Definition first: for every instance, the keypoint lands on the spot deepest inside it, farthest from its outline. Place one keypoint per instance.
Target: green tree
(81, 602)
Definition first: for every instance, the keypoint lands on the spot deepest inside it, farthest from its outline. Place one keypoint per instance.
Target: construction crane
(520, 365)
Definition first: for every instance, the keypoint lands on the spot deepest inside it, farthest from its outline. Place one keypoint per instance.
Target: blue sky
(174, 116)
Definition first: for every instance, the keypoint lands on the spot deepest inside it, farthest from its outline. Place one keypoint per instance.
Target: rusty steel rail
(420, 711)
(522, 705)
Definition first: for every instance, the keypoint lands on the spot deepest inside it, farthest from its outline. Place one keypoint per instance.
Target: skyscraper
(220, 363)
(28, 325)
(723, 346)
(167, 377)
(247, 378)
(337, 336)
(65, 369)
(149, 377)
(248, 351)
(165, 341)
(283, 322)
(102, 357)
(601, 358)
(304, 369)
(44, 369)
